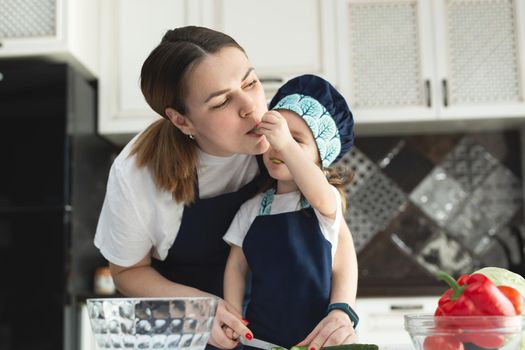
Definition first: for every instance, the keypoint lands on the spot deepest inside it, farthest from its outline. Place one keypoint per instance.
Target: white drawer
(381, 320)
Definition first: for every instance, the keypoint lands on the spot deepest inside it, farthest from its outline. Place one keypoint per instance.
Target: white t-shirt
(136, 216)
(283, 203)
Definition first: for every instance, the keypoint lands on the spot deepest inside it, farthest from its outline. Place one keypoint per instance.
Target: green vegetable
(504, 277)
(337, 347)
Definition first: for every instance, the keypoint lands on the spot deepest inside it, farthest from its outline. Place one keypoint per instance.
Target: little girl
(287, 236)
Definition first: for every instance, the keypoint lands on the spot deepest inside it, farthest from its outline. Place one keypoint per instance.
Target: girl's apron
(291, 265)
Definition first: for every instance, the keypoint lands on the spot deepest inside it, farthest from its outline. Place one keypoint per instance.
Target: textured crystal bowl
(429, 332)
(152, 323)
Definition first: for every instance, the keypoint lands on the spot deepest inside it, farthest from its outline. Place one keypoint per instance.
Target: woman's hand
(335, 329)
(226, 325)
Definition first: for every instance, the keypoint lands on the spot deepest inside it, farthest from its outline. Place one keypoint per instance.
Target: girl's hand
(335, 329)
(226, 325)
(275, 128)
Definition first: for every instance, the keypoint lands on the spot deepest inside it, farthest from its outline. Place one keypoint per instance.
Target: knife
(261, 344)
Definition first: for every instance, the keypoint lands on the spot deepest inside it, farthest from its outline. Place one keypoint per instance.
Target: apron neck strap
(267, 200)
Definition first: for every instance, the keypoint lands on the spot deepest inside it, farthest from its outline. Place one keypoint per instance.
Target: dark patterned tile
(491, 207)
(439, 196)
(434, 147)
(362, 228)
(412, 228)
(469, 163)
(444, 253)
(504, 146)
(360, 165)
(379, 199)
(376, 148)
(382, 264)
(407, 167)
(511, 242)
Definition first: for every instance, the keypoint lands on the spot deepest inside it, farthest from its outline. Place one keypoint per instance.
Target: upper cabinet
(407, 60)
(279, 44)
(65, 30)
(283, 39)
(130, 30)
(394, 60)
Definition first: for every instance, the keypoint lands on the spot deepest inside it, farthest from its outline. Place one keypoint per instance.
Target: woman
(174, 189)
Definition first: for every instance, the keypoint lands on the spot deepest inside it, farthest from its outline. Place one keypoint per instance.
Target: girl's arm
(308, 176)
(142, 280)
(235, 277)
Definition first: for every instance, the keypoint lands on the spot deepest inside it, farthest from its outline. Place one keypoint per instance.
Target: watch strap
(347, 309)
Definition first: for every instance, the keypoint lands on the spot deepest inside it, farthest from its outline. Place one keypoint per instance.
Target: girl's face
(225, 102)
(273, 160)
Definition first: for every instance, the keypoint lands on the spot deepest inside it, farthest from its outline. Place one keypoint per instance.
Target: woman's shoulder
(125, 171)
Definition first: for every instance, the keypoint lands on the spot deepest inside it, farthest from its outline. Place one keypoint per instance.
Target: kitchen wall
(426, 202)
(420, 203)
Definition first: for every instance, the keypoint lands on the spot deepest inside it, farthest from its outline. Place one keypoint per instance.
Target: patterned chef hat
(325, 112)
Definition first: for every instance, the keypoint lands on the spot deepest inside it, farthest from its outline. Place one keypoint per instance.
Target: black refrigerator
(52, 182)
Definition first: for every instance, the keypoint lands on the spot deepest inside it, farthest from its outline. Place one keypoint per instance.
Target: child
(287, 236)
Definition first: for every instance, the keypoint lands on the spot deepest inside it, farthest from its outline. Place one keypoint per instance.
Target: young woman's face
(304, 137)
(225, 102)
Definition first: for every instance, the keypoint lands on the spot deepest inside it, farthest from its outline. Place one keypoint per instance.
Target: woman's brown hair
(170, 155)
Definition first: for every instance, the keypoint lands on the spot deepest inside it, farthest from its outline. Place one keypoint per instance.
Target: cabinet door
(282, 38)
(128, 34)
(480, 49)
(63, 30)
(29, 27)
(386, 59)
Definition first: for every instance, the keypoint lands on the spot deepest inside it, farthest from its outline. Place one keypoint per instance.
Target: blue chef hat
(325, 112)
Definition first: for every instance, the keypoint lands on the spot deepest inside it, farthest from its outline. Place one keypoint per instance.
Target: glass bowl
(152, 323)
(429, 332)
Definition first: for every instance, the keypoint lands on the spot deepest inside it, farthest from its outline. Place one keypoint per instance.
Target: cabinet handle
(445, 92)
(271, 80)
(406, 307)
(428, 93)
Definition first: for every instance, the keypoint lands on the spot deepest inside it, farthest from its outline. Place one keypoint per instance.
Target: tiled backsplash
(423, 203)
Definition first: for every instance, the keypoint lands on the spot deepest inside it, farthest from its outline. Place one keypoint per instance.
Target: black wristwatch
(347, 309)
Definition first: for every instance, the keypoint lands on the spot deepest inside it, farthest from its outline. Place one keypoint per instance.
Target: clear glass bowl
(152, 323)
(429, 332)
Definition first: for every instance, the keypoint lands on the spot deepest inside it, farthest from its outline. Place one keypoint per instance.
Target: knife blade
(260, 344)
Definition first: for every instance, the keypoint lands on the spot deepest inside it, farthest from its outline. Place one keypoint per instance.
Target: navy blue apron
(198, 256)
(291, 266)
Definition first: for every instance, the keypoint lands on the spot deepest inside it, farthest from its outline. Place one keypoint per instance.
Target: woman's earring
(191, 137)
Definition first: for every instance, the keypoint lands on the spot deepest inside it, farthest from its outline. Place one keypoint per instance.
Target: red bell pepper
(442, 343)
(473, 295)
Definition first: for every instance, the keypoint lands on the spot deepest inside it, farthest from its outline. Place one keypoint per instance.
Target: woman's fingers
(238, 326)
(220, 339)
(342, 335)
(223, 316)
(335, 329)
(228, 316)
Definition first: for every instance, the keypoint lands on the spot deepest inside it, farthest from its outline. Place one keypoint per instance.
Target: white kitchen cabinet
(130, 30)
(417, 60)
(283, 39)
(381, 320)
(64, 30)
